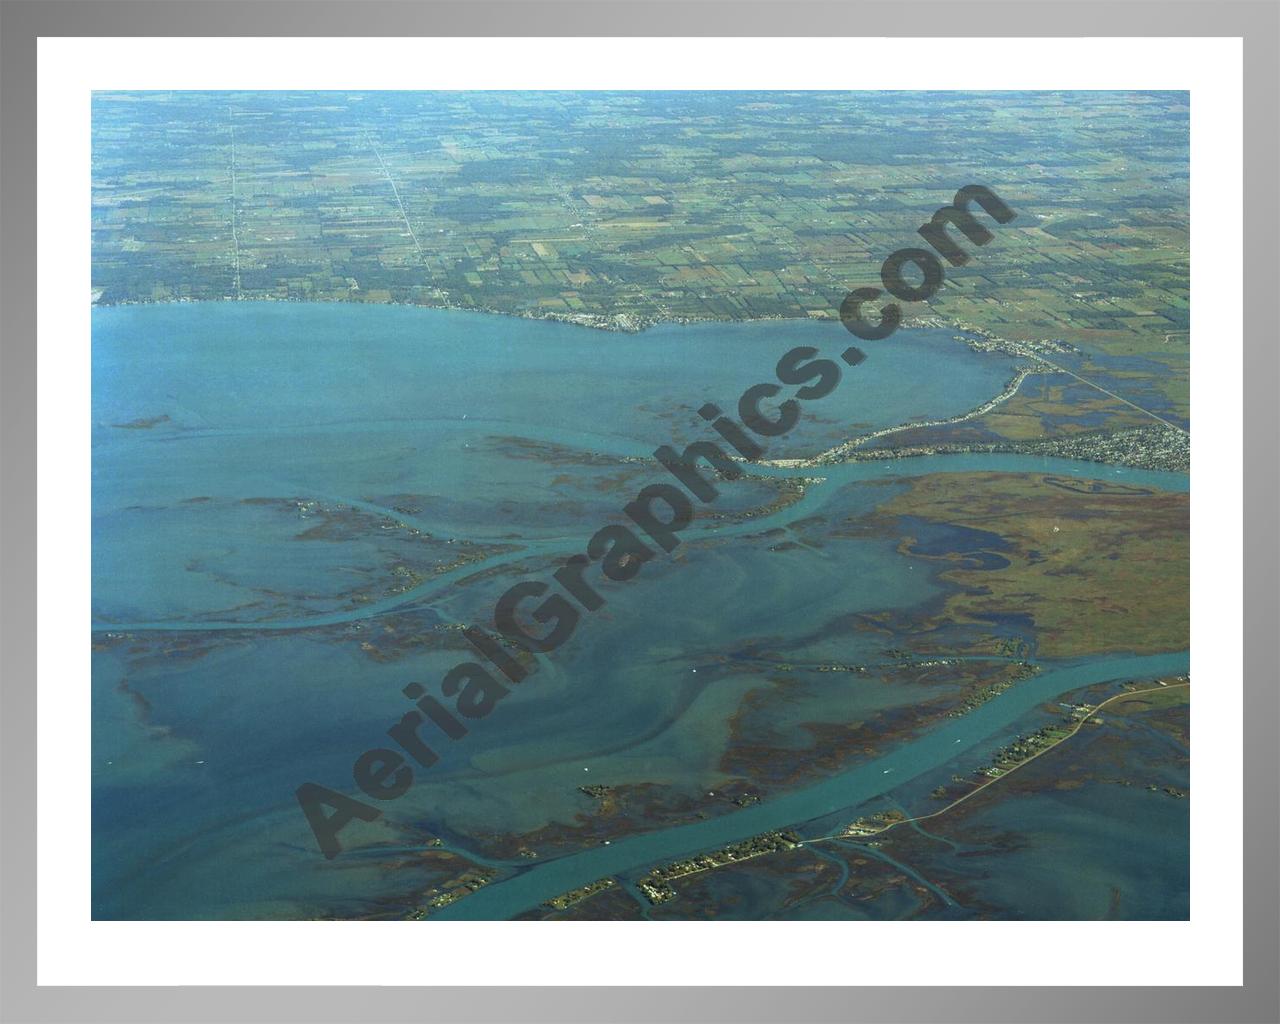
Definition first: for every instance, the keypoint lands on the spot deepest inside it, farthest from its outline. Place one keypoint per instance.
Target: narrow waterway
(849, 788)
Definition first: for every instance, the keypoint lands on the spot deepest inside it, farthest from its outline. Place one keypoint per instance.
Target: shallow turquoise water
(197, 752)
(352, 402)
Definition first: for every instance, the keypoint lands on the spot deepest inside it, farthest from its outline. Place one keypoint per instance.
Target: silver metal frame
(21, 23)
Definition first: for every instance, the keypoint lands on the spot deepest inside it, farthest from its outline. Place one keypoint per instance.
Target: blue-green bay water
(267, 399)
(243, 673)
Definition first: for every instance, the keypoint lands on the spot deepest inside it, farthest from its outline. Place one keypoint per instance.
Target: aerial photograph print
(640, 506)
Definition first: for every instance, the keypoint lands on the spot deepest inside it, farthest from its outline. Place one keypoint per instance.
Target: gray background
(1257, 21)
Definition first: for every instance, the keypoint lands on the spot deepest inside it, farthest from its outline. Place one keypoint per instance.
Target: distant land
(624, 209)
